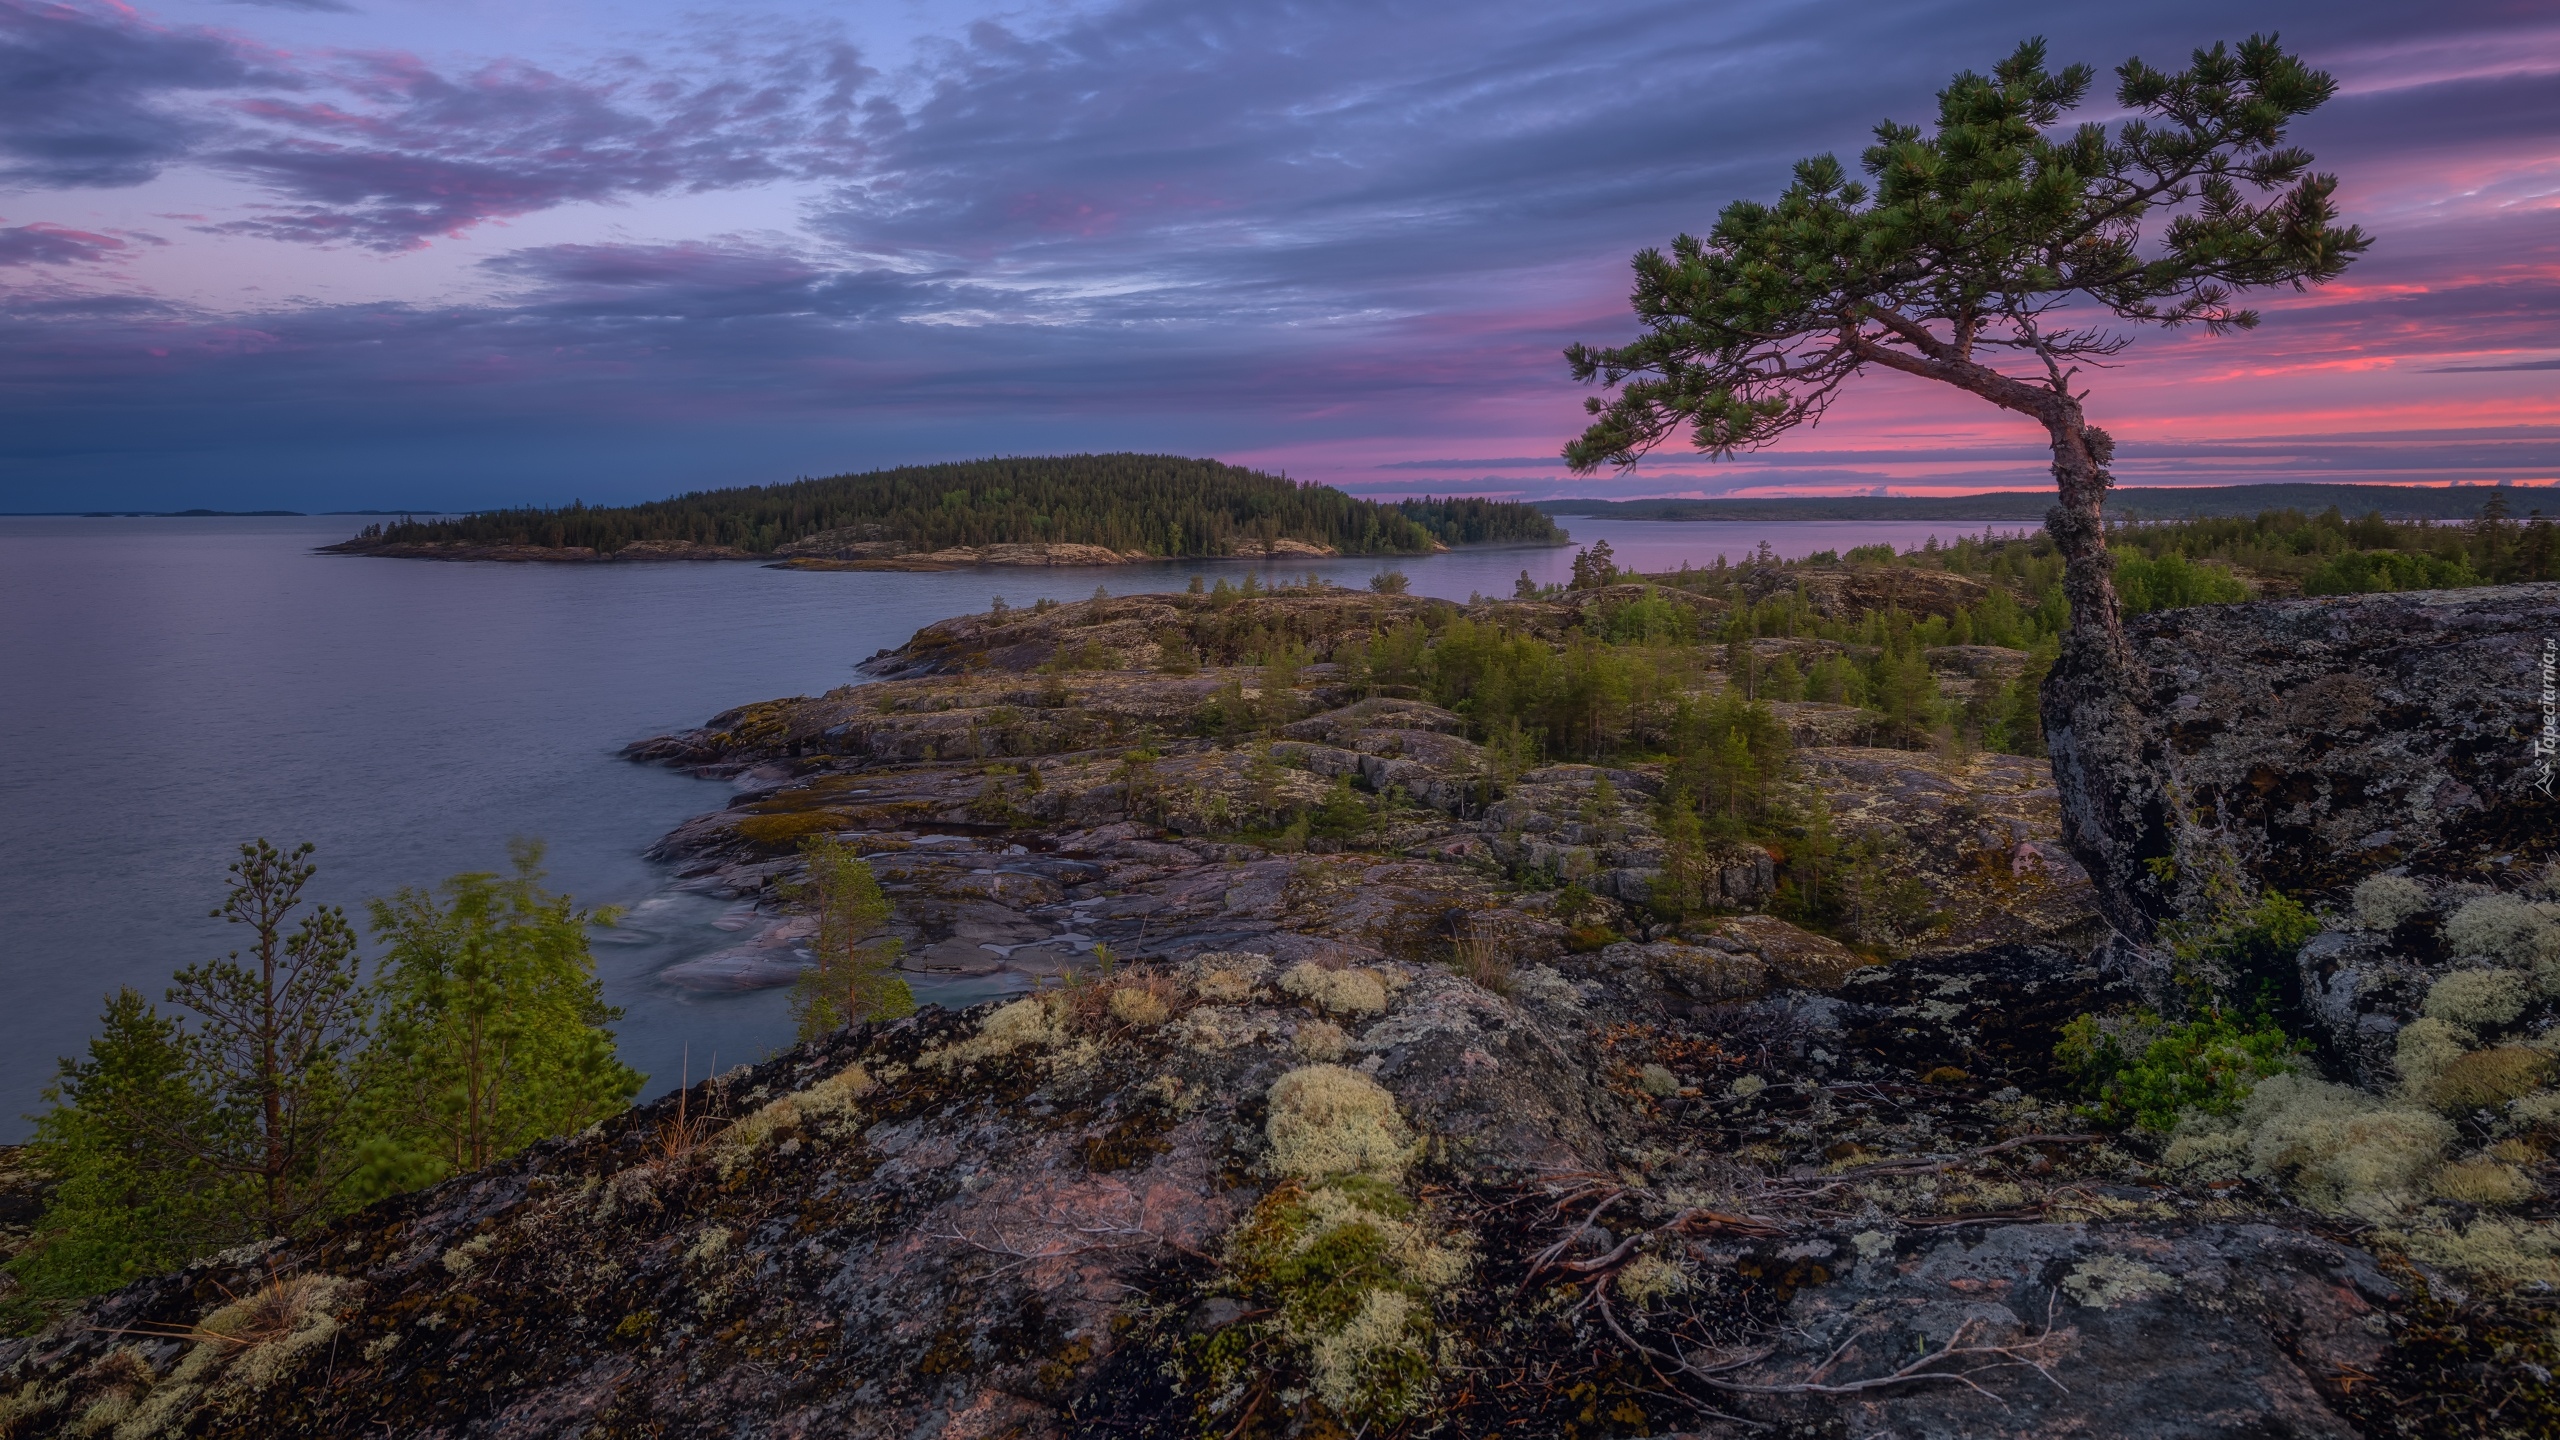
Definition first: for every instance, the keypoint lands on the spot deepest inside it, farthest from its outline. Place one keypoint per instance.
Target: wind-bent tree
(1989, 257)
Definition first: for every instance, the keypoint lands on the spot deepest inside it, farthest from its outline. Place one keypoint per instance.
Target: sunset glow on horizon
(313, 254)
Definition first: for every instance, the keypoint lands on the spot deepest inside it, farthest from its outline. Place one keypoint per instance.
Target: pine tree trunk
(2114, 802)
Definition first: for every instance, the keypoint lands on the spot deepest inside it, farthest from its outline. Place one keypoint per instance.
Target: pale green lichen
(1319, 1040)
(461, 1258)
(2484, 1181)
(2382, 902)
(1227, 977)
(708, 1246)
(33, 1398)
(1350, 1265)
(1345, 1362)
(1138, 1007)
(2493, 1252)
(825, 1109)
(2103, 1282)
(2340, 1150)
(2508, 930)
(2203, 1148)
(1340, 992)
(2488, 1079)
(2477, 998)
(1040, 1024)
(2426, 1046)
(1650, 1279)
(1658, 1081)
(1327, 1121)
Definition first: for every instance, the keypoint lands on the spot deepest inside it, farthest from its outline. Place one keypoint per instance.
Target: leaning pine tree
(1990, 257)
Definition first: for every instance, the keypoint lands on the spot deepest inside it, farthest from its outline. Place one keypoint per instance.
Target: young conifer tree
(856, 977)
(492, 1031)
(174, 1139)
(125, 1203)
(273, 1039)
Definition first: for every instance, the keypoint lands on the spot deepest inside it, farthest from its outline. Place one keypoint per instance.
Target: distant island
(2199, 502)
(1053, 510)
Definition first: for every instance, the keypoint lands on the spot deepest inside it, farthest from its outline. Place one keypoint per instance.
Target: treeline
(283, 1088)
(1464, 520)
(1159, 504)
(2160, 564)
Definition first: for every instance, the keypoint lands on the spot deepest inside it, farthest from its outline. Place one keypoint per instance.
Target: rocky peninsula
(1372, 1080)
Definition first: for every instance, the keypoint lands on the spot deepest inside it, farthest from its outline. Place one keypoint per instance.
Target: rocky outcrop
(2310, 743)
(637, 551)
(1048, 1219)
(1847, 591)
(884, 555)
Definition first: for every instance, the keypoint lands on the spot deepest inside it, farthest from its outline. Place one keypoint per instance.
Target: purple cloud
(414, 153)
(1271, 229)
(86, 94)
(42, 244)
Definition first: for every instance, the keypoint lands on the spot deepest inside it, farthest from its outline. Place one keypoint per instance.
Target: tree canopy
(1992, 255)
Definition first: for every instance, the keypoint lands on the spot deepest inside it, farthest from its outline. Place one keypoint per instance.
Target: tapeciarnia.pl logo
(2547, 742)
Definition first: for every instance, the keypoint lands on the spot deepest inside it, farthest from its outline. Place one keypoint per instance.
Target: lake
(177, 686)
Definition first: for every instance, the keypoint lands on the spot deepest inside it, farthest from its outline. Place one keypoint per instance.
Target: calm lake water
(174, 687)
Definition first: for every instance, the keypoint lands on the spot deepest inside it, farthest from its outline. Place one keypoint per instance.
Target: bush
(2148, 1074)
(2363, 572)
(2172, 581)
(2246, 953)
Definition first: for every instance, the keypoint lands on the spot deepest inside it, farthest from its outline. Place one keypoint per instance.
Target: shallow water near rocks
(176, 686)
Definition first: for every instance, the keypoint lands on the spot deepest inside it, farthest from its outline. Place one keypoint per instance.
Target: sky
(347, 254)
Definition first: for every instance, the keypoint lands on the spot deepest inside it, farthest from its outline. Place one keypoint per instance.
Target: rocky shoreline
(1432, 1123)
(832, 551)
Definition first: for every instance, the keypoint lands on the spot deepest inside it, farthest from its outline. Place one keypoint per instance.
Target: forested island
(1068, 509)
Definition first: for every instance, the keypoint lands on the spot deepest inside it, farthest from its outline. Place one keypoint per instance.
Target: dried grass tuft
(2484, 1182)
(2486, 1079)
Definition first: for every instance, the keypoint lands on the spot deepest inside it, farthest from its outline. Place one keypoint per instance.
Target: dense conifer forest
(1161, 504)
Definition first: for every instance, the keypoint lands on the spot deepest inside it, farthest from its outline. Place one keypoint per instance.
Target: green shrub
(2145, 1073)
(2171, 581)
(2369, 572)
(2245, 954)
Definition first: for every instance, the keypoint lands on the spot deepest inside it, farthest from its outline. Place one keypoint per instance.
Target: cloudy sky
(353, 253)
